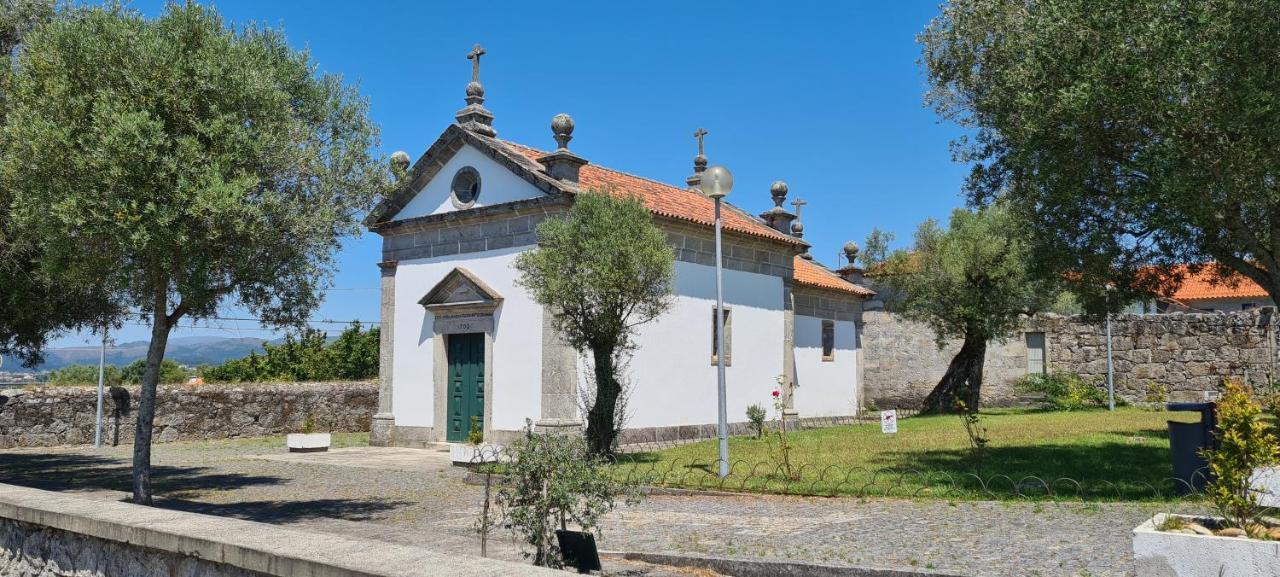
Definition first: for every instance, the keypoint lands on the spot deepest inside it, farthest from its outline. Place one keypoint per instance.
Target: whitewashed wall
(517, 345)
(675, 381)
(497, 185)
(827, 388)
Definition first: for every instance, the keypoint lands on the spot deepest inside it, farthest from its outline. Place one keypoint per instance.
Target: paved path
(408, 496)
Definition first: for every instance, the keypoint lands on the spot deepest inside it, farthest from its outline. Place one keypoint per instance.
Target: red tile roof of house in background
(1200, 286)
(809, 273)
(666, 200)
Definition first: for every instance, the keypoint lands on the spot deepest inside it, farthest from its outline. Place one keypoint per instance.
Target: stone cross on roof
(797, 227)
(700, 134)
(474, 57)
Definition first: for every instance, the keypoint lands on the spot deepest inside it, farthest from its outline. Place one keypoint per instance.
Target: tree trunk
(602, 416)
(160, 324)
(962, 381)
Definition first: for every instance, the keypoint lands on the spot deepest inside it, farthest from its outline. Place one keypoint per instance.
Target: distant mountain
(185, 350)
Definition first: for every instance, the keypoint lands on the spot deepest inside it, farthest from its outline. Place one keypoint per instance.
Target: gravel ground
(436, 509)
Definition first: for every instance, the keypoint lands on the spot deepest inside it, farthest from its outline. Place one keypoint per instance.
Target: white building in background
(462, 341)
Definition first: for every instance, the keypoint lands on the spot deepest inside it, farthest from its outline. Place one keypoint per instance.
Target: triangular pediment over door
(461, 292)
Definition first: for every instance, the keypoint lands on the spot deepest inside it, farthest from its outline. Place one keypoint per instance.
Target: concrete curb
(478, 479)
(749, 568)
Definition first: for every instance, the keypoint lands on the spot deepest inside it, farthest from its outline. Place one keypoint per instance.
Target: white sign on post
(889, 421)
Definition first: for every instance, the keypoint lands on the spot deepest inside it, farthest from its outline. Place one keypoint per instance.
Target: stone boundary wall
(1189, 354)
(46, 534)
(51, 416)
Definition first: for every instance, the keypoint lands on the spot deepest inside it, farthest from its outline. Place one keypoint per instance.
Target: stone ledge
(247, 545)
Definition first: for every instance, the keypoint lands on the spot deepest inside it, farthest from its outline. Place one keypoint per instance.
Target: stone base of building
(560, 426)
(380, 430)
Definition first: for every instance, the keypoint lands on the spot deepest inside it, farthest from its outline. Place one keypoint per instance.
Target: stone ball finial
(700, 160)
(851, 251)
(779, 192)
(474, 89)
(400, 161)
(797, 228)
(562, 128)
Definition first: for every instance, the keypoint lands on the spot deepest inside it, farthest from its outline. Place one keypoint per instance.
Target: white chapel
(462, 341)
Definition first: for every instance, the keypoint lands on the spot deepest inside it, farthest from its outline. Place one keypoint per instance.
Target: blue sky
(826, 96)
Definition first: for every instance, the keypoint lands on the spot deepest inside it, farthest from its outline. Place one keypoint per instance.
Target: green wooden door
(466, 383)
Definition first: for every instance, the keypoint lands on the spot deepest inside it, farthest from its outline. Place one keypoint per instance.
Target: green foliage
(756, 416)
(876, 251)
(475, 436)
(170, 372)
(1127, 132)
(603, 270)
(1063, 391)
(555, 480)
(84, 375)
(306, 357)
(176, 164)
(1244, 444)
(309, 424)
(975, 432)
(973, 281)
(1155, 394)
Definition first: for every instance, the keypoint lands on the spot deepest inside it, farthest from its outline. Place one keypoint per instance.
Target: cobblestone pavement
(434, 508)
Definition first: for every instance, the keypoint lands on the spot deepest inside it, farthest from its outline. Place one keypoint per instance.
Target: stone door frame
(451, 316)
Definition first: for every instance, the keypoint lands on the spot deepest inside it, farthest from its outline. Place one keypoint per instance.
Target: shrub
(555, 480)
(1243, 444)
(1064, 391)
(756, 416)
(476, 435)
(1155, 394)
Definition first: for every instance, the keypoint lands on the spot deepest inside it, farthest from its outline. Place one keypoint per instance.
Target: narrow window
(728, 336)
(1035, 354)
(828, 341)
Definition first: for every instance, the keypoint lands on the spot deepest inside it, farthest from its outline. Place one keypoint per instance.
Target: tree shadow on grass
(1120, 470)
(80, 472)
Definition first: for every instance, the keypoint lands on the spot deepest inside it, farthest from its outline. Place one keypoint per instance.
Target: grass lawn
(1092, 454)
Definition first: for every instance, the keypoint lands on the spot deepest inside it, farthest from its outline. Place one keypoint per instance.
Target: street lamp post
(716, 183)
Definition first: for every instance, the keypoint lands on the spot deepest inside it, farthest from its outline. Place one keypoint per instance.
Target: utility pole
(102, 366)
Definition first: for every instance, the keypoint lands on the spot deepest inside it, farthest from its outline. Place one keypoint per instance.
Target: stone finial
(399, 161)
(475, 117)
(777, 217)
(779, 193)
(562, 165)
(699, 161)
(851, 252)
(562, 128)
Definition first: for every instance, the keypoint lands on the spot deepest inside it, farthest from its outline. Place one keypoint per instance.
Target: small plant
(476, 435)
(756, 416)
(1155, 395)
(1063, 391)
(309, 424)
(1244, 443)
(555, 480)
(784, 448)
(976, 432)
(1172, 523)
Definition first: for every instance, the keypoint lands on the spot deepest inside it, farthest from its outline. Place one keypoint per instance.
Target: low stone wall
(1188, 354)
(45, 534)
(50, 416)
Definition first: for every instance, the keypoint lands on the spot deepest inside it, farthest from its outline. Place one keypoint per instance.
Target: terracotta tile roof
(809, 273)
(1200, 286)
(665, 199)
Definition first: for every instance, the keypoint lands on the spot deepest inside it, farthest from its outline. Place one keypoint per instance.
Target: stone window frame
(466, 171)
(828, 345)
(1044, 351)
(728, 336)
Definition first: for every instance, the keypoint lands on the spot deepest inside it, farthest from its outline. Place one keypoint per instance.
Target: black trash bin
(1186, 441)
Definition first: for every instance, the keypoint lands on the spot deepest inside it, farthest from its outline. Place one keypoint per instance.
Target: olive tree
(177, 164)
(602, 270)
(971, 281)
(1129, 133)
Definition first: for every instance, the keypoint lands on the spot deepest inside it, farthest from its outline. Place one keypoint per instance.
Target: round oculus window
(466, 186)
